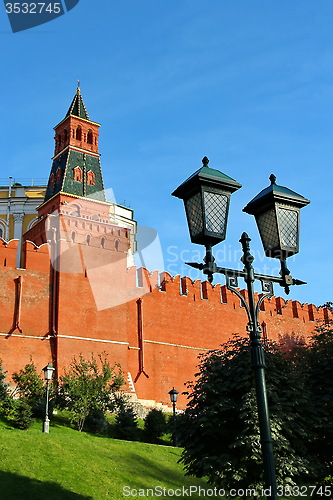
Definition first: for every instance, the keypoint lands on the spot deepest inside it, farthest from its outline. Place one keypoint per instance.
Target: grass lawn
(69, 465)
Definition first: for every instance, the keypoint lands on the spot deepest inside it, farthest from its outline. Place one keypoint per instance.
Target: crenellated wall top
(140, 281)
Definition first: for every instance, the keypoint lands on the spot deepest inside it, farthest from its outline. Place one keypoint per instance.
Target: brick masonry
(154, 325)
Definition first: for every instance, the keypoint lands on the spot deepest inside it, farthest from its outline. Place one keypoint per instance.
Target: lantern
(206, 195)
(277, 213)
(48, 372)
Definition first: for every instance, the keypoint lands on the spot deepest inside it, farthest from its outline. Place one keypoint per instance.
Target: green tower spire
(76, 167)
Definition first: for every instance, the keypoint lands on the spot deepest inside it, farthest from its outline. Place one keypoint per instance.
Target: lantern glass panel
(288, 224)
(268, 229)
(173, 395)
(216, 212)
(48, 372)
(194, 214)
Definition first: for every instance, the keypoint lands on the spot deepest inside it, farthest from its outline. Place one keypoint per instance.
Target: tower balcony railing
(24, 182)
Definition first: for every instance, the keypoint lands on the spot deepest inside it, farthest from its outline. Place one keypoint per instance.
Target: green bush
(38, 410)
(155, 425)
(8, 407)
(96, 422)
(88, 386)
(29, 384)
(4, 395)
(126, 426)
(21, 414)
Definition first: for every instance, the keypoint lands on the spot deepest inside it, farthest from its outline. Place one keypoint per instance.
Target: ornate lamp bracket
(232, 285)
(268, 289)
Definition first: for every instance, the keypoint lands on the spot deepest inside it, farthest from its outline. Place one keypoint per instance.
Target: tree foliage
(126, 426)
(328, 305)
(155, 425)
(219, 429)
(21, 415)
(88, 386)
(3, 385)
(29, 384)
(319, 363)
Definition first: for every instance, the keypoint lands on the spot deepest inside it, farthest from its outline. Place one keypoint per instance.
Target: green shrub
(126, 425)
(21, 414)
(96, 422)
(29, 384)
(7, 408)
(155, 425)
(4, 395)
(89, 385)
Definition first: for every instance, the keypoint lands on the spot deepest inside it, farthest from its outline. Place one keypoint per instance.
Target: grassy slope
(68, 465)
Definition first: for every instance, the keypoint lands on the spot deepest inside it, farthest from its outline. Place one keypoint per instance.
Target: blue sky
(249, 83)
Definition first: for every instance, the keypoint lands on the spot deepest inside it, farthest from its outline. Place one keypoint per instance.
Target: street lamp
(277, 213)
(206, 196)
(48, 374)
(173, 398)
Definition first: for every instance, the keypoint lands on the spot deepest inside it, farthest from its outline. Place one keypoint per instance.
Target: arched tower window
(88, 239)
(51, 181)
(58, 174)
(73, 236)
(103, 242)
(79, 133)
(91, 178)
(59, 140)
(116, 245)
(2, 231)
(77, 172)
(90, 137)
(65, 135)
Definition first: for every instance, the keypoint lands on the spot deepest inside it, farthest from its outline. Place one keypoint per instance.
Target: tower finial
(78, 86)
(205, 161)
(272, 178)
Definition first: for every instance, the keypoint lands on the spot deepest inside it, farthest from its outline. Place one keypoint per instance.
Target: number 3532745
(33, 8)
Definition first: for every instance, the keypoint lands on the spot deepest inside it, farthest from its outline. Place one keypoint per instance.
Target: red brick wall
(99, 307)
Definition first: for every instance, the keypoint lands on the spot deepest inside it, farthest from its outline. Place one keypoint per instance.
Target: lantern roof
(206, 175)
(274, 192)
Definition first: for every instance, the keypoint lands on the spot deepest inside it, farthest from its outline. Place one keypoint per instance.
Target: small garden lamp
(48, 374)
(173, 398)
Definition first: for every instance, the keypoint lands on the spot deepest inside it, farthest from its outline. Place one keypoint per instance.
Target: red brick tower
(74, 220)
(75, 188)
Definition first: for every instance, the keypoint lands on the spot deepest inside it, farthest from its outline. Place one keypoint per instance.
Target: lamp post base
(46, 425)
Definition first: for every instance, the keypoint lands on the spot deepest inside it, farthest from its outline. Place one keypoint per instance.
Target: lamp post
(173, 398)
(206, 196)
(48, 374)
